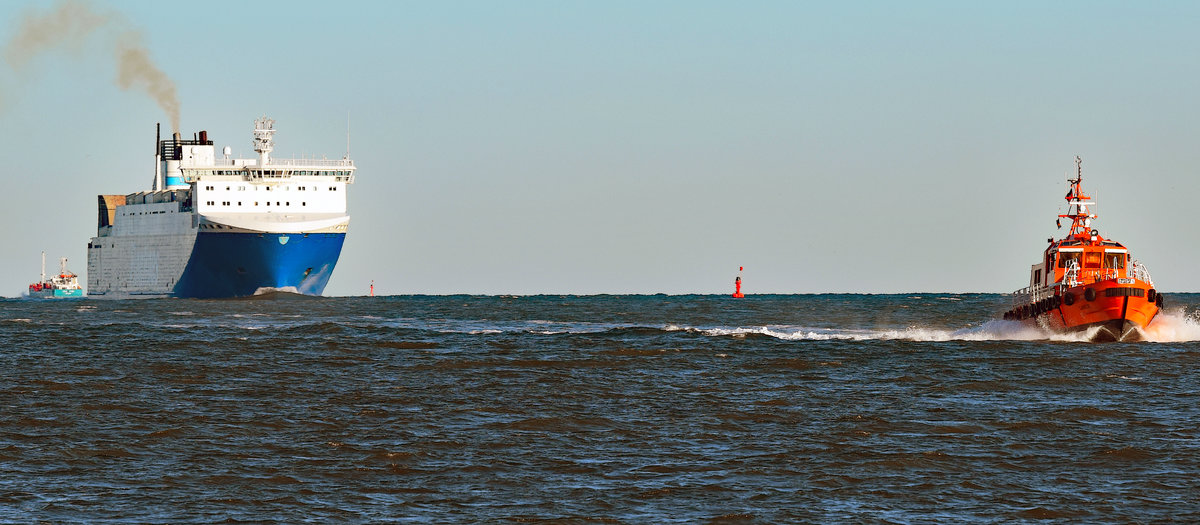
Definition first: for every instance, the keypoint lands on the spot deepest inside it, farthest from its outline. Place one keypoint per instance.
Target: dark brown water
(648, 409)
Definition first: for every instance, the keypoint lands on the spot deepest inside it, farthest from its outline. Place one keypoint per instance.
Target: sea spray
(1173, 326)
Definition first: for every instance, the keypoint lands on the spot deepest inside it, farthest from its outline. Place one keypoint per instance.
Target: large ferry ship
(1087, 283)
(214, 226)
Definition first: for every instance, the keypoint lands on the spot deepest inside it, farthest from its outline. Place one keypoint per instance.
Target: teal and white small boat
(65, 285)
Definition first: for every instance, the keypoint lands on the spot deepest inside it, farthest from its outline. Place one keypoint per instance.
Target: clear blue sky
(644, 147)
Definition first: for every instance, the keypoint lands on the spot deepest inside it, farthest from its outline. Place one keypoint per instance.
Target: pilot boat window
(1114, 260)
(1064, 258)
(1091, 259)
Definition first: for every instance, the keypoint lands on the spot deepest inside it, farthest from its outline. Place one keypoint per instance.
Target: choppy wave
(995, 330)
(1175, 326)
(577, 408)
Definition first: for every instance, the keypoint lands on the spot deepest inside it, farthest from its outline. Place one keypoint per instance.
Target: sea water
(637, 409)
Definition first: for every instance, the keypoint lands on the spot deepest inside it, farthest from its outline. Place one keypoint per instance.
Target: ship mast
(1081, 219)
(264, 130)
(43, 267)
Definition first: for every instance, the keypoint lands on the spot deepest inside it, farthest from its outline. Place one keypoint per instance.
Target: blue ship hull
(240, 264)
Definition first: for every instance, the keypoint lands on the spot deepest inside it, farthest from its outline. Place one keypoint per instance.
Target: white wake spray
(1173, 326)
(996, 330)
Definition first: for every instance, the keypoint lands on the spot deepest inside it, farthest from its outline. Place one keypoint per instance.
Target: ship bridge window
(1092, 259)
(1114, 260)
(1065, 258)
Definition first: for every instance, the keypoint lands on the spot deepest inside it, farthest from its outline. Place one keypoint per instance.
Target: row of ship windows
(285, 188)
(229, 203)
(147, 212)
(277, 172)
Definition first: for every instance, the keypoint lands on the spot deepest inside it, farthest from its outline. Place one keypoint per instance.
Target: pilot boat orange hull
(1117, 311)
(1087, 283)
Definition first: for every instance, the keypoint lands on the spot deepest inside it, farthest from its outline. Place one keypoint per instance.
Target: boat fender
(1159, 301)
(1089, 294)
(1055, 302)
(1007, 316)
(1024, 311)
(1068, 299)
(1151, 294)
(1039, 308)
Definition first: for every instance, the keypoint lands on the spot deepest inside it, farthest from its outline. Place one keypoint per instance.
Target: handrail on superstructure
(301, 162)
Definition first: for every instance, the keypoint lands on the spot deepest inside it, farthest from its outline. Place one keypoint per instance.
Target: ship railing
(1139, 271)
(293, 162)
(1071, 275)
(1032, 294)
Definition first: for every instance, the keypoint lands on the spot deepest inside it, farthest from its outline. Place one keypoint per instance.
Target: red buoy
(737, 285)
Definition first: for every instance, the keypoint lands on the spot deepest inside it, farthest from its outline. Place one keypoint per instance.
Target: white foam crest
(1173, 326)
(270, 289)
(996, 330)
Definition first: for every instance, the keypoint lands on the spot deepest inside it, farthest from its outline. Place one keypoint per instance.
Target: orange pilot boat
(1086, 283)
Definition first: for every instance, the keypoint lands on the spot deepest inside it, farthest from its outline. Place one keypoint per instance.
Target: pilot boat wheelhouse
(1087, 283)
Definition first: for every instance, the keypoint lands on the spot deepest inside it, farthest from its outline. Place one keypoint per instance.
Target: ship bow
(243, 264)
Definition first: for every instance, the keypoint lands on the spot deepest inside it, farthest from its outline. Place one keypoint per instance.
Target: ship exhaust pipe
(158, 180)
